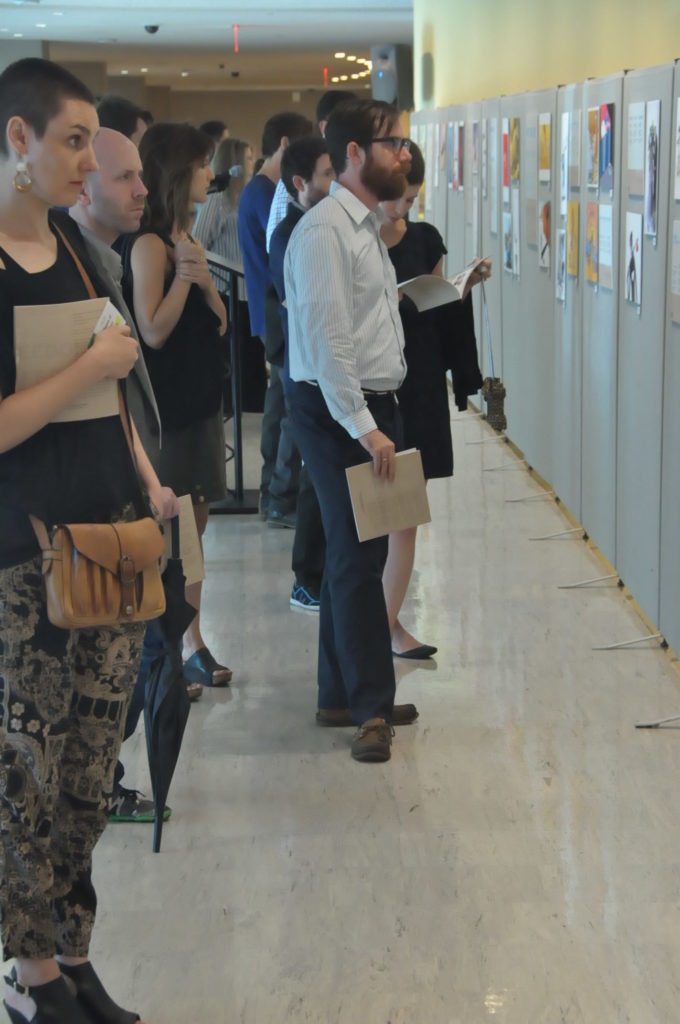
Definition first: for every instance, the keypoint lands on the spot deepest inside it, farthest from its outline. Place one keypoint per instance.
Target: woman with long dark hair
(63, 693)
(217, 229)
(181, 321)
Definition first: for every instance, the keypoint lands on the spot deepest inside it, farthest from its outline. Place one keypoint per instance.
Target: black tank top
(67, 472)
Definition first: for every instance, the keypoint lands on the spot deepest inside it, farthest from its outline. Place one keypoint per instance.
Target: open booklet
(429, 291)
(383, 506)
(49, 338)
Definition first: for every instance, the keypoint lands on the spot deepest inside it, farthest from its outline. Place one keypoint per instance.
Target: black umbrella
(166, 704)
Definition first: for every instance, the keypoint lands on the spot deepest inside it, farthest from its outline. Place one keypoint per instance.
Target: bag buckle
(126, 573)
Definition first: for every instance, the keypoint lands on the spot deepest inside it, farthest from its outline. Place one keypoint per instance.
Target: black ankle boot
(54, 1003)
(92, 995)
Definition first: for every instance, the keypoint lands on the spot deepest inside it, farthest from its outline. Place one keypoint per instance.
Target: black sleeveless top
(187, 373)
(80, 472)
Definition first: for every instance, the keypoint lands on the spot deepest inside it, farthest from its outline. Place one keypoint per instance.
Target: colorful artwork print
(475, 147)
(591, 252)
(607, 147)
(505, 149)
(572, 238)
(514, 149)
(449, 154)
(593, 147)
(507, 241)
(544, 147)
(461, 152)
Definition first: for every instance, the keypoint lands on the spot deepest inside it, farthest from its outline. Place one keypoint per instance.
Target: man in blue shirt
(281, 461)
(307, 173)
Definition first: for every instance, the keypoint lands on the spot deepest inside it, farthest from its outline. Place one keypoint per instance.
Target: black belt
(375, 394)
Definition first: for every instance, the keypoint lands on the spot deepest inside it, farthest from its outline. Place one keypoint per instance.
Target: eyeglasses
(394, 142)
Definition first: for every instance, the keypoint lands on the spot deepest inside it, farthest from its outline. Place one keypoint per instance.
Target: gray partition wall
(491, 236)
(600, 303)
(567, 316)
(669, 613)
(454, 230)
(641, 355)
(528, 297)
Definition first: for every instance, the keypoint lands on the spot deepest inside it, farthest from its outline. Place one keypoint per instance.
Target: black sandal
(54, 1003)
(201, 668)
(93, 997)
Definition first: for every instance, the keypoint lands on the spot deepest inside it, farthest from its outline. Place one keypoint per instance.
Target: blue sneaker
(301, 598)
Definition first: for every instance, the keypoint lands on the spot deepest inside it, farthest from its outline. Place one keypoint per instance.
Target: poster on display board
(572, 238)
(564, 164)
(676, 193)
(484, 157)
(675, 273)
(593, 179)
(575, 150)
(652, 120)
(634, 258)
(606, 147)
(475, 147)
(606, 247)
(507, 241)
(544, 147)
(590, 247)
(561, 266)
(515, 232)
(514, 149)
(461, 153)
(505, 144)
(449, 155)
(544, 234)
(636, 149)
(493, 175)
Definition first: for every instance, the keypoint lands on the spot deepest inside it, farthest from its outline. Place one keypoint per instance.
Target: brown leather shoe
(402, 714)
(372, 741)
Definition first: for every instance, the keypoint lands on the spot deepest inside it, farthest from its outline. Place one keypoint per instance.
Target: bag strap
(93, 295)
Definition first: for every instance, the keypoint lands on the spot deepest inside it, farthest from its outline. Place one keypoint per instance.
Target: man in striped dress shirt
(346, 351)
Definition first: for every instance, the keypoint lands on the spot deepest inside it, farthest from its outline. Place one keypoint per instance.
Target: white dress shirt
(278, 209)
(345, 332)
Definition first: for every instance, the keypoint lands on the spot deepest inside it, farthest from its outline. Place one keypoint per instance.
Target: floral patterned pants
(63, 701)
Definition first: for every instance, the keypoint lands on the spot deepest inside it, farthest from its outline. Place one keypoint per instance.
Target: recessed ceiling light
(124, 71)
(351, 56)
(343, 78)
(40, 24)
(4, 30)
(144, 70)
(339, 55)
(57, 14)
(353, 76)
(18, 35)
(185, 74)
(335, 78)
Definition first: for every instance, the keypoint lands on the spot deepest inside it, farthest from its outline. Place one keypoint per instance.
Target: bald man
(111, 204)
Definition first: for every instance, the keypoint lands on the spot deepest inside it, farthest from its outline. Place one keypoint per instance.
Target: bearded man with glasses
(346, 348)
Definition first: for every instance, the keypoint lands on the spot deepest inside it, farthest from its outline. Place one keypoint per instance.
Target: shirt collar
(357, 210)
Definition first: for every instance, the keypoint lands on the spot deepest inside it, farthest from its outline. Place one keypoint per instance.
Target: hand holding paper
(429, 291)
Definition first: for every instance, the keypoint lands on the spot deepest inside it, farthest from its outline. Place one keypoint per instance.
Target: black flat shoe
(93, 997)
(417, 653)
(54, 1003)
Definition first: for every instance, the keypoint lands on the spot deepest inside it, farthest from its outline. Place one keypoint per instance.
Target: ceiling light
(4, 30)
(144, 70)
(353, 76)
(339, 55)
(343, 78)
(185, 74)
(335, 78)
(351, 56)
(40, 24)
(124, 71)
(57, 14)
(18, 35)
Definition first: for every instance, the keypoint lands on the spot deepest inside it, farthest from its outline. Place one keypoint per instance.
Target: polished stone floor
(516, 861)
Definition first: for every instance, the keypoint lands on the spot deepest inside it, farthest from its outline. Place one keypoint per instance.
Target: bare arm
(164, 498)
(24, 413)
(192, 266)
(157, 315)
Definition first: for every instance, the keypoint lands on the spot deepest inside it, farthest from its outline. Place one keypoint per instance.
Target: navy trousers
(355, 667)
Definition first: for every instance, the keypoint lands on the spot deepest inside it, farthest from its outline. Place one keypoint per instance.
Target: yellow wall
(485, 48)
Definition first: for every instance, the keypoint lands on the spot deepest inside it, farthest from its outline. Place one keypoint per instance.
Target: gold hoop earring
(22, 179)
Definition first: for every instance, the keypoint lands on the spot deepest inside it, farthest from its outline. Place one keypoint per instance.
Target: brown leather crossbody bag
(100, 574)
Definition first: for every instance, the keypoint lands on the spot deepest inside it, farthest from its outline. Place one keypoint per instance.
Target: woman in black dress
(181, 321)
(63, 693)
(417, 248)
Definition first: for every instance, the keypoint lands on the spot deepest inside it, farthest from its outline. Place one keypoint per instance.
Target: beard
(382, 183)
